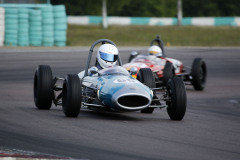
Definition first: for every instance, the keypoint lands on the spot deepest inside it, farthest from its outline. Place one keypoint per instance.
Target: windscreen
(114, 70)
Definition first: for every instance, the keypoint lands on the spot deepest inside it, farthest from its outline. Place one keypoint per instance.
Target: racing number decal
(124, 80)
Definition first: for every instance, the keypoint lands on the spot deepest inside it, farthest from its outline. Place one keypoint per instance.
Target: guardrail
(152, 21)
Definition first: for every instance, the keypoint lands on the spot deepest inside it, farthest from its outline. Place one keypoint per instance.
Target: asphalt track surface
(209, 131)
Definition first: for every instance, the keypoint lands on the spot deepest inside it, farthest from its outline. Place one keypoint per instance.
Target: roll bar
(160, 44)
(103, 41)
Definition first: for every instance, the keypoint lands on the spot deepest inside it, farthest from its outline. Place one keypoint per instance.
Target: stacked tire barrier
(11, 27)
(35, 32)
(47, 26)
(23, 27)
(43, 26)
(2, 25)
(60, 25)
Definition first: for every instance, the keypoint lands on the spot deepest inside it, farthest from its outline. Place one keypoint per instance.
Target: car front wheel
(72, 96)
(43, 87)
(199, 74)
(177, 102)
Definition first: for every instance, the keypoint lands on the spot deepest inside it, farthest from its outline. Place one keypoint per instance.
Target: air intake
(133, 101)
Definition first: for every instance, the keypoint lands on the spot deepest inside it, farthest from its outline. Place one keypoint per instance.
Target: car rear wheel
(168, 72)
(145, 76)
(178, 100)
(43, 87)
(72, 96)
(199, 74)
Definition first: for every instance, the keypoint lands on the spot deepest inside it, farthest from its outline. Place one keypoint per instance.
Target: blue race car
(110, 89)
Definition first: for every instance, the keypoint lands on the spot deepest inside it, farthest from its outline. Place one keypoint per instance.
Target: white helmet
(155, 50)
(107, 55)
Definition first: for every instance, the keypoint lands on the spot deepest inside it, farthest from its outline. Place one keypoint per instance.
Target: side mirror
(93, 70)
(134, 53)
(133, 71)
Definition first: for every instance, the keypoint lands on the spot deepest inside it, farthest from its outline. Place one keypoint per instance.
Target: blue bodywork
(114, 83)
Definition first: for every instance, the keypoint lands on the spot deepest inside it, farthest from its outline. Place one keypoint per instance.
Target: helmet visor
(153, 52)
(108, 57)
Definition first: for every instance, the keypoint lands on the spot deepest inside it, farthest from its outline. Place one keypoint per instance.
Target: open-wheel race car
(165, 68)
(109, 89)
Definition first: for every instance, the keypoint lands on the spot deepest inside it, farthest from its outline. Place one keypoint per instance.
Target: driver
(156, 51)
(107, 56)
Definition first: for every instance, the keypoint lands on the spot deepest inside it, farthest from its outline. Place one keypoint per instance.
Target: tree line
(153, 8)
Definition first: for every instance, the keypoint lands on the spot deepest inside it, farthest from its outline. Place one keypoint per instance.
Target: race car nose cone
(133, 102)
(125, 94)
(134, 98)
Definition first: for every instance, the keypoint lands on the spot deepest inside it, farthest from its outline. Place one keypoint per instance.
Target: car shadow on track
(104, 115)
(110, 115)
(85, 113)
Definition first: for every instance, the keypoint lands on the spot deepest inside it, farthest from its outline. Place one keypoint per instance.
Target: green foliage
(198, 8)
(152, 8)
(81, 7)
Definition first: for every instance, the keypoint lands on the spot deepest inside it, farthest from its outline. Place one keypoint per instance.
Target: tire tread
(176, 110)
(43, 94)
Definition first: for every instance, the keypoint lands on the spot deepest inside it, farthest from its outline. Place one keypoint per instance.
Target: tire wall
(2, 26)
(60, 25)
(23, 27)
(35, 27)
(47, 26)
(44, 26)
(11, 27)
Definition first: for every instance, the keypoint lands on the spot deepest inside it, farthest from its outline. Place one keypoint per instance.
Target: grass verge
(142, 35)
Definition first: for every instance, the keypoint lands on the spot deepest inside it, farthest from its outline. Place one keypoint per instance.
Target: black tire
(72, 96)
(199, 74)
(168, 72)
(146, 77)
(177, 105)
(43, 87)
